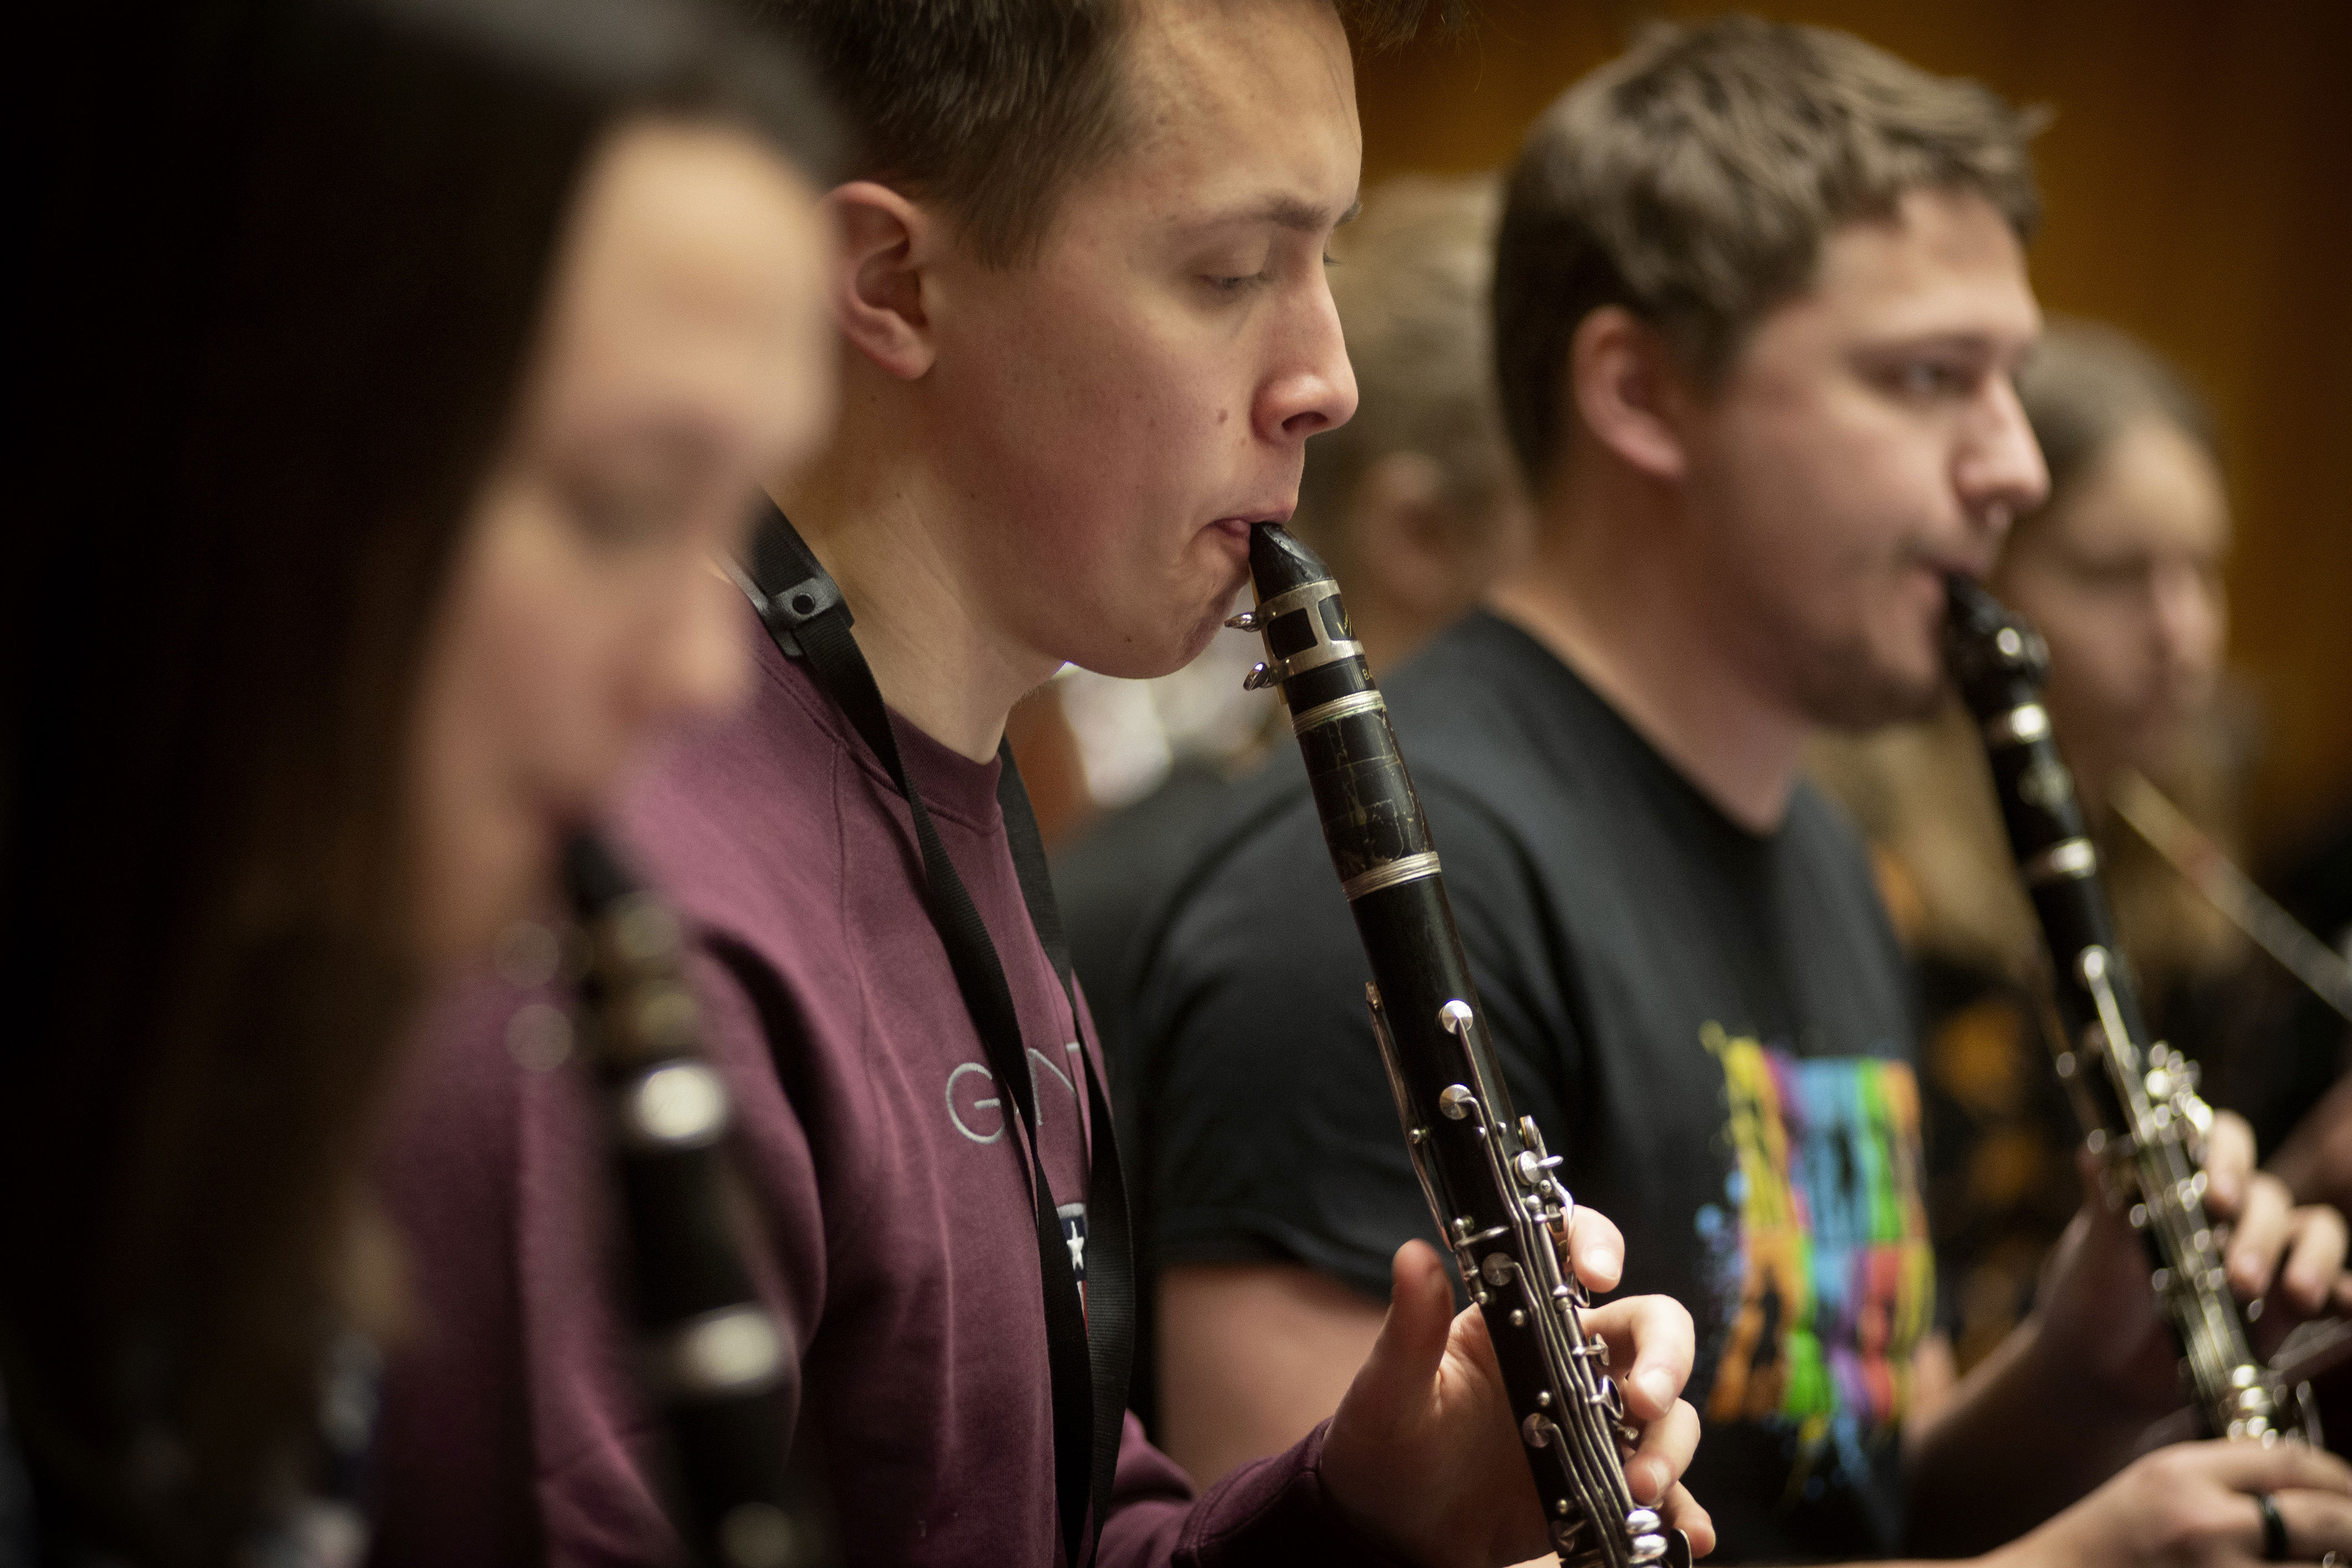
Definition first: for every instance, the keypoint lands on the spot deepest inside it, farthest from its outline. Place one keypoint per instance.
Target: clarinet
(711, 1355)
(2137, 1100)
(1489, 1181)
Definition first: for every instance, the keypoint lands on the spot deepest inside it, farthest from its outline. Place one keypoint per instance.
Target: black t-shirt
(1713, 1027)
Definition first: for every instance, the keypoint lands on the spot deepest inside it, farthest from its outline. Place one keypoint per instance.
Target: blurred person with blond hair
(1414, 503)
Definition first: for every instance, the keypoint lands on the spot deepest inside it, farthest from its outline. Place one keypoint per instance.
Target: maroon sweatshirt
(894, 1198)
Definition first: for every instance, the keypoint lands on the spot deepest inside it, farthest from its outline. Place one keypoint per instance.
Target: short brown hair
(1693, 180)
(1410, 280)
(992, 108)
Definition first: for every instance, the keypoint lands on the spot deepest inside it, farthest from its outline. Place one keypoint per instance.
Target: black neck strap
(1089, 1342)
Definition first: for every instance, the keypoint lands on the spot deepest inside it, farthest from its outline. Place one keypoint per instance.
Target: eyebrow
(1284, 212)
(1987, 345)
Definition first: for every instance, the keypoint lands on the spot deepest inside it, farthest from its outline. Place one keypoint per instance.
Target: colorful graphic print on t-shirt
(1819, 1262)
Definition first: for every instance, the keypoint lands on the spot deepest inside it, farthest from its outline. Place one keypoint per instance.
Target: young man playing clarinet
(1759, 295)
(1087, 335)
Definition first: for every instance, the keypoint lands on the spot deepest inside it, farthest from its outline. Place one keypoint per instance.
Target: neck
(887, 528)
(1615, 591)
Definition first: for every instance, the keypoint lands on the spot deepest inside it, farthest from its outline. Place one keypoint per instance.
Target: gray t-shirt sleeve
(1268, 1128)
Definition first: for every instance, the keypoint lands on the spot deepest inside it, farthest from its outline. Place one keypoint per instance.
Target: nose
(1313, 386)
(1999, 472)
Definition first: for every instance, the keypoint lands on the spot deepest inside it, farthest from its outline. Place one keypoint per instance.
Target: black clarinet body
(712, 1357)
(1490, 1183)
(2137, 1100)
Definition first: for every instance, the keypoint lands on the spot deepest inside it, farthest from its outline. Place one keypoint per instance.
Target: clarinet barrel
(1490, 1183)
(711, 1355)
(2137, 1100)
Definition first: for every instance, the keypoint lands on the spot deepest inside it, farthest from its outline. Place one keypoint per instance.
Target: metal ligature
(2140, 1110)
(1489, 1181)
(710, 1353)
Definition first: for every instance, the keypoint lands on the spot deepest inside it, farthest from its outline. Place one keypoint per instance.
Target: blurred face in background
(1866, 440)
(685, 356)
(2123, 575)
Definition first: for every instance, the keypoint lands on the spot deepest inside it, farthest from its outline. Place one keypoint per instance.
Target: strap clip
(786, 613)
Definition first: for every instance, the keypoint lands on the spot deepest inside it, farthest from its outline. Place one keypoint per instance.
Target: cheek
(1059, 459)
(1809, 486)
(503, 697)
(2207, 640)
(1100, 494)
(1088, 399)
(546, 655)
(2099, 667)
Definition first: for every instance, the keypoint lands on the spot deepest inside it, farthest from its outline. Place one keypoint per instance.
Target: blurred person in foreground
(1759, 295)
(2122, 572)
(1088, 337)
(470, 341)
(1414, 503)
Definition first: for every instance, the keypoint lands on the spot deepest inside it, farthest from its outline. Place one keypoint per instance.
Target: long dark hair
(293, 260)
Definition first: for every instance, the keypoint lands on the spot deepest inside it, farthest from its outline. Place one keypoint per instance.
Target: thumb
(1397, 1375)
(2229, 1164)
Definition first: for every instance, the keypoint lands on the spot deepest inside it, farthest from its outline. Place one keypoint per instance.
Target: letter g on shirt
(977, 1111)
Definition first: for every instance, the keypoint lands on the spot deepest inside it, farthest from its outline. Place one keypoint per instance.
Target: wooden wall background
(2198, 185)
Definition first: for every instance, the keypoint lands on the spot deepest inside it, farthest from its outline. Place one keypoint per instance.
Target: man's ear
(1628, 391)
(886, 242)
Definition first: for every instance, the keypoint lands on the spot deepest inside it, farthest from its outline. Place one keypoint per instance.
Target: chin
(1163, 644)
(1142, 661)
(2160, 747)
(506, 877)
(1856, 694)
(1210, 626)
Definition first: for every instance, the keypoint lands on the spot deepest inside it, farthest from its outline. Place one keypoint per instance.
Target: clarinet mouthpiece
(1985, 642)
(1279, 563)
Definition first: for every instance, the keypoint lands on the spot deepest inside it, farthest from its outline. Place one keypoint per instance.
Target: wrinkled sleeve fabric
(1268, 1130)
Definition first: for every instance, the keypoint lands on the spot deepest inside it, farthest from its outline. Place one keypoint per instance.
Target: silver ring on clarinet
(2273, 1529)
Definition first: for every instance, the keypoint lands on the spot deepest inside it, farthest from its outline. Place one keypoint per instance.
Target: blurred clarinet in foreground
(1483, 1169)
(2137, 1100)
(712, 1357)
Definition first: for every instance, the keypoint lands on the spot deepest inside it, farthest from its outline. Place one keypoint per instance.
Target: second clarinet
(1493, 1187)
(712, 1354)
(2137, 1100)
